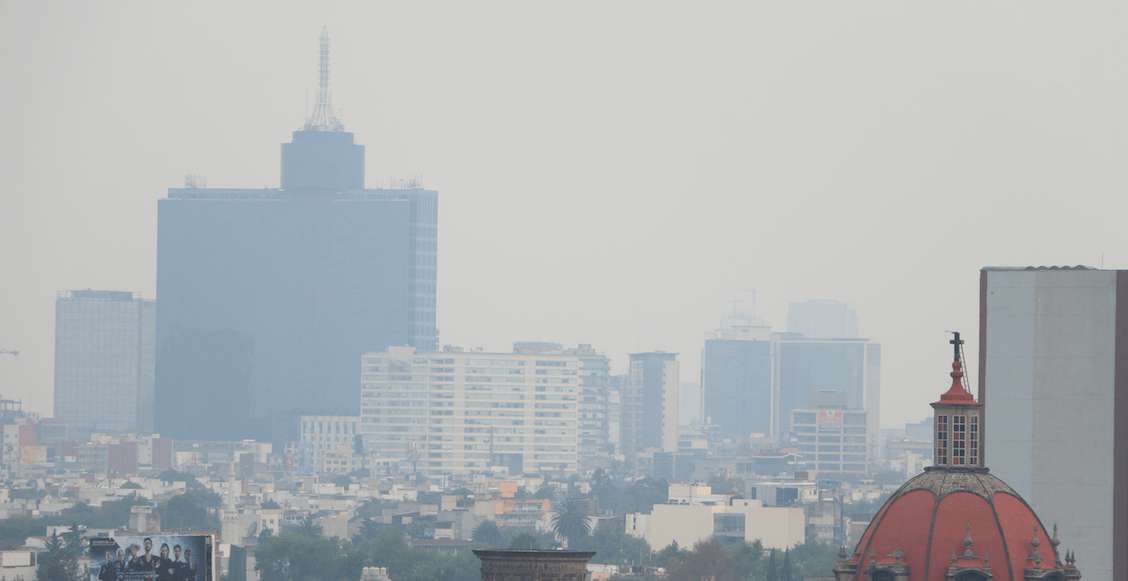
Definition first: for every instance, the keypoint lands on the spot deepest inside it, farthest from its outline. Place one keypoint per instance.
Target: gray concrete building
(104, 358)
(1053, 351)
(650, 404)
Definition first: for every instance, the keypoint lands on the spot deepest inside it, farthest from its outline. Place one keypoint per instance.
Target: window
(941, 440)
(973, 440)
(959, 450)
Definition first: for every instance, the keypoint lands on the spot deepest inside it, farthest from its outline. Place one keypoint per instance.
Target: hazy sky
(609, 172)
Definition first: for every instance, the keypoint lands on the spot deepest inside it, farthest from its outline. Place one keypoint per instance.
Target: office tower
(650, 404)
(822, 319)
(104, 353)
(752, 379)
(1053, 373)
(595, 385)
(458, 412)
(805, 367)
(737, 382)
(269, 296)
(831, 438)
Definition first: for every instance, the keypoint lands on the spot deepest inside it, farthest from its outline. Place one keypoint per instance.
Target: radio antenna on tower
(322, 118)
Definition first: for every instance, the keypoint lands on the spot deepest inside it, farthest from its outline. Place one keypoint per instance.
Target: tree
(785, 570)
(708, 561)
(613, 546)
(488, 534)
(527, 541)
(570, 521)
(747, 560)
(190, 510)
(296, 557)
(773, 569)
(812, 559)
(60, 561)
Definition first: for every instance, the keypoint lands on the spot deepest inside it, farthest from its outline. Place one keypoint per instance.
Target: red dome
(947, 521)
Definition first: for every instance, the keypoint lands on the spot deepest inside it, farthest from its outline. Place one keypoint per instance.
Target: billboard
(155, 557)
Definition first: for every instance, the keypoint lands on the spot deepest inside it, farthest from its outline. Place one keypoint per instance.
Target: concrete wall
(1049, 371)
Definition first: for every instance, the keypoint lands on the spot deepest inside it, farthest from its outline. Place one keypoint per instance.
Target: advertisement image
(155, 557)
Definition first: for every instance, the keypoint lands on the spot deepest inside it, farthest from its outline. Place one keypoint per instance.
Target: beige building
(327, 444)
(693, 514)
(458, 412)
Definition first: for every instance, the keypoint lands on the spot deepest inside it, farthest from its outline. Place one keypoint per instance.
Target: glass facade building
(268, 297)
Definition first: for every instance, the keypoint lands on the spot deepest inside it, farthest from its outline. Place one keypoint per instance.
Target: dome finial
(957, 391)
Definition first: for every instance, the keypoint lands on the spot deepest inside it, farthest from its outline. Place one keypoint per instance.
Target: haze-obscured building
(269, 296)
(458, 412)
(329, 444)
(1053, 347)
(104, 361)
(650, 403)
(831, 439)
(753, 379)
(595, 399)
(822, 319)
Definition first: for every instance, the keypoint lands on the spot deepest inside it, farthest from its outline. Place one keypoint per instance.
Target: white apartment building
(458, 412)
(693, 514)
(327, 444)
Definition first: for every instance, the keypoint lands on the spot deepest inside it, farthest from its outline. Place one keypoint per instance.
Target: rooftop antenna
(323, 118)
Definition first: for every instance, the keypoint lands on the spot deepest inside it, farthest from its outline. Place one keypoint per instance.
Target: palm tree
(570, 521)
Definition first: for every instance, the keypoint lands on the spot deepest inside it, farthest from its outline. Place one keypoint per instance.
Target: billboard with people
(155, 557)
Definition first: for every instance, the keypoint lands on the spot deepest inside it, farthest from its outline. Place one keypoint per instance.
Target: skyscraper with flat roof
(269, 296)
(650, 404)
(104, 347)
(1054, 365)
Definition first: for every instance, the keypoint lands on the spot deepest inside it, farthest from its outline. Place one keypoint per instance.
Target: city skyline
(401, 106)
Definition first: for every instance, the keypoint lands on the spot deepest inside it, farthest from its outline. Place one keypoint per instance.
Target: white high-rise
(104, 357)
(457, 412)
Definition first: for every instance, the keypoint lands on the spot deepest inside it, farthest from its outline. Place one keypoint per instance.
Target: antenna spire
(323, 118)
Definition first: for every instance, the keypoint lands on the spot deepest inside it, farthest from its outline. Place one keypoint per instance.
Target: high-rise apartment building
(458, 412)
(268, 297)
(595, 396)
(104, 353)
(650, 404)
(1053, 352)
(822, 319)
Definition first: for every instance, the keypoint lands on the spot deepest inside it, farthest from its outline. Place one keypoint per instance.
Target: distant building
(650, 404)
(458, 412)
(328, 444)
(822, 319)
(269, 296)
(595, 396)
(693, 514)
(753, 379)
(1053, 347)
(831, 440)
(104, 360)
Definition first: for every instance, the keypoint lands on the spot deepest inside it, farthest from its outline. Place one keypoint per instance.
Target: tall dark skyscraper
(267, 297)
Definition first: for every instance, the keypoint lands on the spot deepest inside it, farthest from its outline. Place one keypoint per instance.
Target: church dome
(956, 521)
